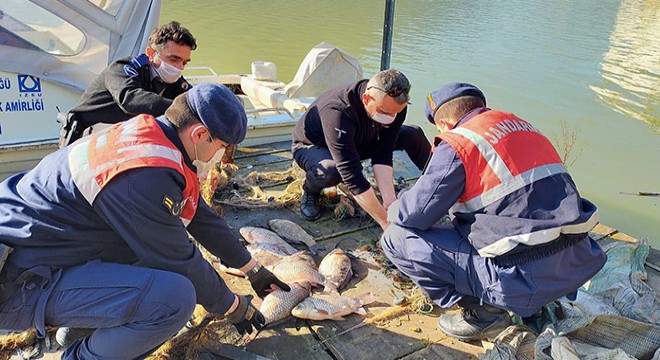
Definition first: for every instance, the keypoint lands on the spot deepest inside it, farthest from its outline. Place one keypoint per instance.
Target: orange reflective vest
(136, 143)
(501, 154)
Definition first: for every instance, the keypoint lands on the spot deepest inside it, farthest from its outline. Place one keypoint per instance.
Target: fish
(296, 272)
(332, 306)
(266, 253)
(278, 304)
(337, 270)
(304, 257)
(260, 235)
(292, 233)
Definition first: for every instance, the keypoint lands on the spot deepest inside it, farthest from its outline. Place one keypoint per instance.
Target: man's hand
(263, 280)
(246, 316)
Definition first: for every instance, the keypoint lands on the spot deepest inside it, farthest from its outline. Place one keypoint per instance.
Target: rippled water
(592, 65)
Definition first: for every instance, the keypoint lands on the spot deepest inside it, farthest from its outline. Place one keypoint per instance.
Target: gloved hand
(246, 316)
(262, 279)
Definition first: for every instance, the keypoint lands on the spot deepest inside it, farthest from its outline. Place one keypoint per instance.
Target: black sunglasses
(395, 92)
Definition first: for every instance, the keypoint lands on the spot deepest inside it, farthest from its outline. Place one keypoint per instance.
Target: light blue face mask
(168, 73)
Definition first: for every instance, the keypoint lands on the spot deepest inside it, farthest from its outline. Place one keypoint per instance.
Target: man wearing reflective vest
(518, 238)
(99, 232)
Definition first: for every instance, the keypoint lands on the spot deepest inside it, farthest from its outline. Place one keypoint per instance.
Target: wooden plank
(441, 352)
(230, 352)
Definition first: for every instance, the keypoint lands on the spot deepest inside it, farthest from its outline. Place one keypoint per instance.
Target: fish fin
(361, 311)
(315, 248)
(330, 288)
(322, 312)
(367, 298)
(338, 318)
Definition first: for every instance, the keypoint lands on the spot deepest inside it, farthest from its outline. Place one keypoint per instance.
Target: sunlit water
(592, 65)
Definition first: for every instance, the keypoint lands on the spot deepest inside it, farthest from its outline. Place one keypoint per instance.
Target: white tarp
(325, 67)
(108, 36)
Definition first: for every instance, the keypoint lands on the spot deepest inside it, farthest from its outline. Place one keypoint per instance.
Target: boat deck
(410, 336)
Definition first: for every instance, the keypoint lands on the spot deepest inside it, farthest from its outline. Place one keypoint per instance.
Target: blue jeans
(133, 309)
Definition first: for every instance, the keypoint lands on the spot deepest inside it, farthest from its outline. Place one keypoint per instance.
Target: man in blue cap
(99, 232)
(519, 232)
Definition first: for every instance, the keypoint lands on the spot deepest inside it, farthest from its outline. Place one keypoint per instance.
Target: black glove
(246, 316)
(261, 279)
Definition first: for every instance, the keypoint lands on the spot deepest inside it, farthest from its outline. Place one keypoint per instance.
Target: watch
(252, 272)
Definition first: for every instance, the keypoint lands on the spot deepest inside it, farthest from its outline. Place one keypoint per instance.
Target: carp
(332, 306)
(266, 253)
(337, 270)
(296, 272)
(278, 304)
(304, 257)
(260, 235)
(292, 233)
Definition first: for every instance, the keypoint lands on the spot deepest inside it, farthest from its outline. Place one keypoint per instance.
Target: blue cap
(449, 92)
(219, 110)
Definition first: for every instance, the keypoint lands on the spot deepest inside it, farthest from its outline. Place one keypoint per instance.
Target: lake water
(591, 65)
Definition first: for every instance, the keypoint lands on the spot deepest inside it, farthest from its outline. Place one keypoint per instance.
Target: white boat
(52, 50)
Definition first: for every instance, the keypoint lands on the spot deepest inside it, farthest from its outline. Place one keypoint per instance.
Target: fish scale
(291, 232)
(336, 268)
(278, 304)
(260, 235)
(296, 271)
(331, 306)
(265, 253)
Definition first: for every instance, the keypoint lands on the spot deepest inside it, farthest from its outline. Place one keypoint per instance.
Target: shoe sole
(489, 334)
(311, 219)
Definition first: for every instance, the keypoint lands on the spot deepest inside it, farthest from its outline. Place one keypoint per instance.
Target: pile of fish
(315, 291)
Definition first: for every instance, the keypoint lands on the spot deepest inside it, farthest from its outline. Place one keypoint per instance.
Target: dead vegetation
(567, 144)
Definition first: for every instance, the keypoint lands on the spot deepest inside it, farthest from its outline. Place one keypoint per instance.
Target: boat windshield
(27, 25)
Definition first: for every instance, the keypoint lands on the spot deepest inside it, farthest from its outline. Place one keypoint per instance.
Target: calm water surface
(592, 65)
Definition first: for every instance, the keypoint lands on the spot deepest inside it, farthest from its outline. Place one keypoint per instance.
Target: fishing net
(615, 316)
(202, 334)
(27, 345)
(225, 187)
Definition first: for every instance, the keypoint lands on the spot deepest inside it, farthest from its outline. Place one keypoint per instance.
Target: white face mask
(383, 119)
(168, 73)
(204, 167)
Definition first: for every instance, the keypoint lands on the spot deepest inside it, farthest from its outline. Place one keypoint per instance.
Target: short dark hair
(180, 114)
(172, 31)
(455, 108)
(390, 82)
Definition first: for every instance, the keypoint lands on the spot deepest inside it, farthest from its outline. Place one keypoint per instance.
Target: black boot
(309, 205)
(475, 322)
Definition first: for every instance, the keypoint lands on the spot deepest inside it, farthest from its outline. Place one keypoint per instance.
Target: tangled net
(223, 187)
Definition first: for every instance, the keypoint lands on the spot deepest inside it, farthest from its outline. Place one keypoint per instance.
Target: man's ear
(150, 53)
(199, 134)
(366, 98)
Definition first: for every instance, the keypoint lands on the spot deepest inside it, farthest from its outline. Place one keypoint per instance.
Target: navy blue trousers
(321, 170)
(447, 267)
(133, 309)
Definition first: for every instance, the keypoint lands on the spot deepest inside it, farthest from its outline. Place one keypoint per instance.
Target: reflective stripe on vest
(502, 154)
(491, 149)
(139, 142)
(506, 244)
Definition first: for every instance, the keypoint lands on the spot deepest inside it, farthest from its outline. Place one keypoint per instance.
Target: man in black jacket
(145, 84)
(363, 120)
